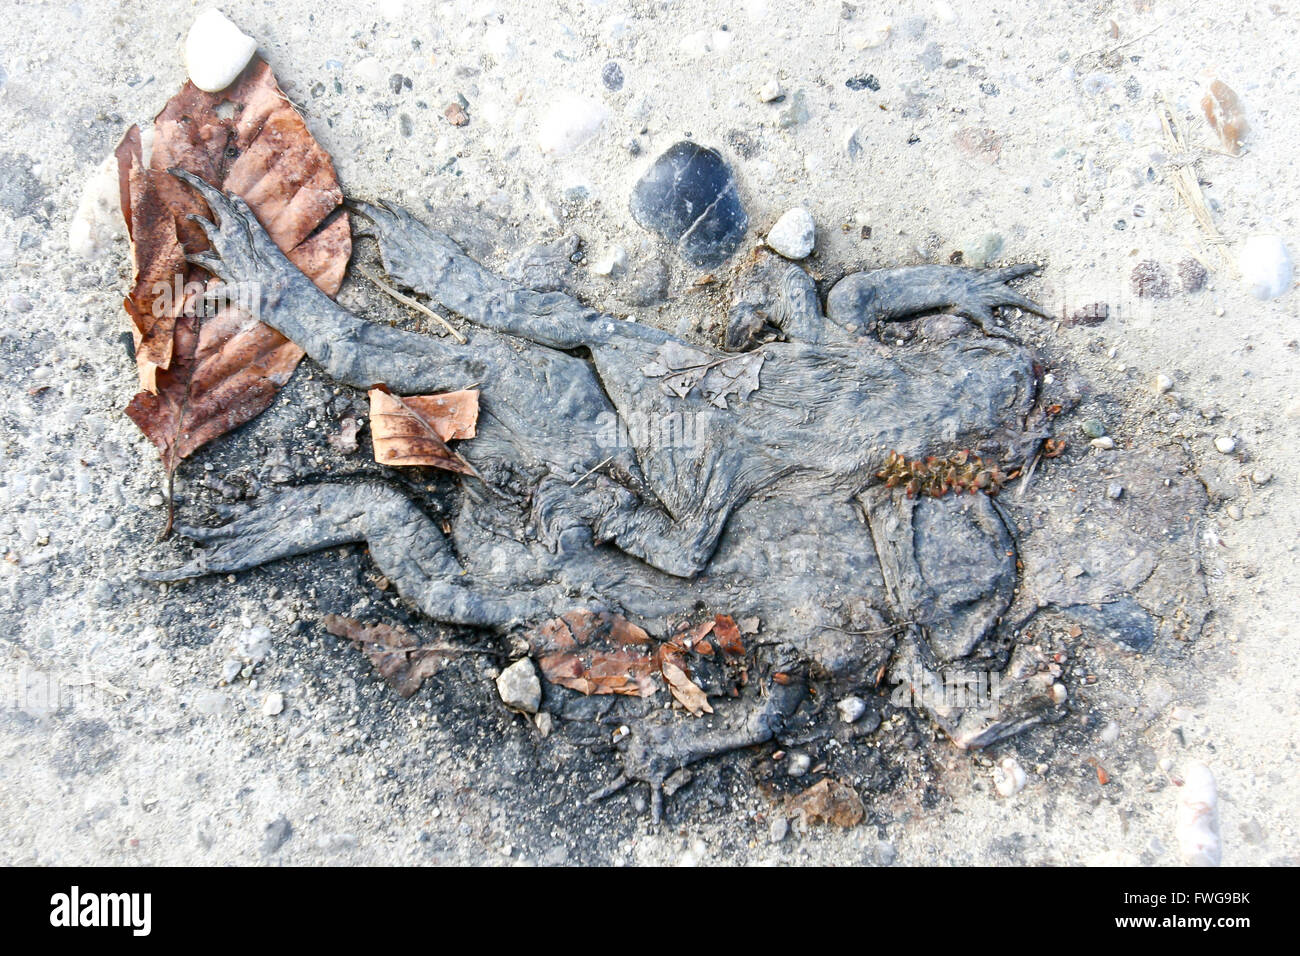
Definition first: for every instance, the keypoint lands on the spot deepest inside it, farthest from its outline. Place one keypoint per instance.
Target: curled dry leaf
(829, 801)
(203, 375)
(595, 652)
(395, 652)
(1224, 113)
(415, 430)
(685, 690)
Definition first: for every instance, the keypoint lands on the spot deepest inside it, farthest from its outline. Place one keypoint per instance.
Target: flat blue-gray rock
(688, 196)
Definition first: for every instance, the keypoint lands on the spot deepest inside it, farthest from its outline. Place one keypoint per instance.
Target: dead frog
(626, 469)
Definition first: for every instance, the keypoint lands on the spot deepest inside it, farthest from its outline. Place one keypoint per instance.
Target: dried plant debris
(206, 369)
(414, 430)
(958, 472)
(395, 652)
(595, 652)
(686, 691)
(829, 801)
(685, 371)
(600, 652)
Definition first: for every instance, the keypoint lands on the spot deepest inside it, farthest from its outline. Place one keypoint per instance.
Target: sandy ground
(119, 743)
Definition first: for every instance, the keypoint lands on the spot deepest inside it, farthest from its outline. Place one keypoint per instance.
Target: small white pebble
(216, 51)
(1265, 266)
(1163, 383)
(1197, 827)
(851, 708)
(274, 704)
(1009, 777)
(1059, 693)
(769, 91)
(568, 123)
(611, 262)
(1105, 443)
(794, 234)
(1226, 444)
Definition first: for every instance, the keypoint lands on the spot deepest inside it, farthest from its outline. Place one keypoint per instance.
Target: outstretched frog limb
(889, 295)
(405, 544)
(659, 745)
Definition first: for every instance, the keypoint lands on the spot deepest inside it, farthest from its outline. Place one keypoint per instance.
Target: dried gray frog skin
(748, 492)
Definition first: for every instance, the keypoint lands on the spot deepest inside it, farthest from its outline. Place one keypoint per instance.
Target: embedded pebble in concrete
(613, 261)
(978, 253)
(1225, 444)
(689, 197)
(568, 123)
(612, 76)
(770, 91)
(1009, 777)
(216, 51)
(1197, 827)
(1265, 266)
(274, 704)
(794, 234)
(1163, 383)
(98, 220)
(798, 764)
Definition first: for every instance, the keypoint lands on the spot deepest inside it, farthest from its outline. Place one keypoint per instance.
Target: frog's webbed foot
(861, 299)
(411, 252)
(661, 744)
(291, 522)
(252, 269)
(986, 289)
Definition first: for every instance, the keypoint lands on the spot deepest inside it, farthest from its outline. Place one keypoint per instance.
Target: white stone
(1163, 383)
(1009, 777)
(1197, 823)
(568, 123)
(794, 234)
(1104, 443)
(873, 34)
(216, 51)
(614, 260)
(1265, 266)
(519, 686)
(1226, 444)
(97, 223)
(851, 708)
(770, 90)
(274, 704)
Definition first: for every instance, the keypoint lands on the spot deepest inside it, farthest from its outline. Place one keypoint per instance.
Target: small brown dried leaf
(395, 652)
(685, 690)
(203, 376)
(829, 801)
(728, 636)
(415, 430)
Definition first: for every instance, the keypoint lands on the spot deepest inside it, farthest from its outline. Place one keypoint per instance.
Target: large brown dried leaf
(414, 430)
(395, 652)
(203, 376)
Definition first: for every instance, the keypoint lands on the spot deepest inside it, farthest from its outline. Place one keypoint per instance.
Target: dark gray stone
(689, 197)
